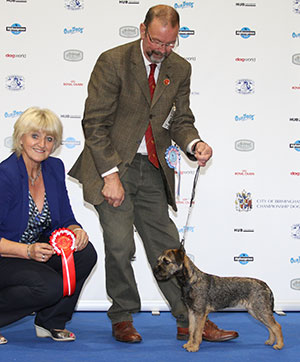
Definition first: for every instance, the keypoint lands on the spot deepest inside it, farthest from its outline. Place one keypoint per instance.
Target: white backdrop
(245, 96)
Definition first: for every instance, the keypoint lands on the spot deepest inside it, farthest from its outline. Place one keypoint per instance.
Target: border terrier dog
(204, 293)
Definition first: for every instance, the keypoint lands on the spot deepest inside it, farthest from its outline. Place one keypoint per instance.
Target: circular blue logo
(15, 31)
(71, 142)
(184, 32)
(297, 146)
(244, 255)
(247, 35)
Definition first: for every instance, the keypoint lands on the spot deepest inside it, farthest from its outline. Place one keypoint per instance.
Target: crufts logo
(296, 6)
(15, 82)
(244, 86)
(295, 231)
(74, 4)
(243, 201)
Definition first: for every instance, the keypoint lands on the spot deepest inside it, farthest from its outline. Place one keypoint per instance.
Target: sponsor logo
(73, 55)
(247, 60)
(73, 30)
(293, 173)
(278, 204)
(296, 87)
(184, 5)
(73, 83)
(243, 258)
(295, 35)
(8, 142)
(190, 229)
(244, 145)
(245, 4)
(16, 29)
(12, 114)
(15, 82)
(70, 116)
(190, 59)
(129, 2)
(295, 284)
(295, 231)
(241, 230)
(13, 56)
(245, 32)
(244, 86)
(244, 117)
(244, 173)
(185, 32)
(296, 59)
(70, 142)
(295, 146)
(295, 260)
(129, 31)
(296, 6)
(295, 119)
(243, 201)
(74, 4)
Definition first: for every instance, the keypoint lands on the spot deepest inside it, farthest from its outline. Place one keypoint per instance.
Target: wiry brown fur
(204, 293)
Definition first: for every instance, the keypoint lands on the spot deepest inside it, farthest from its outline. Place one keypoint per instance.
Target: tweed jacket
(117, 112)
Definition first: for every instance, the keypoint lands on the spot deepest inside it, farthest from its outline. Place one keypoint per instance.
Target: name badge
(169, 119)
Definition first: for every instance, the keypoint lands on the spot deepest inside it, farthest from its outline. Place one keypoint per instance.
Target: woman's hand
(41, 252)
(81, 239)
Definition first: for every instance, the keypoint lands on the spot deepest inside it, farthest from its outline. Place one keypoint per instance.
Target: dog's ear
(179, 255)
(181, 249)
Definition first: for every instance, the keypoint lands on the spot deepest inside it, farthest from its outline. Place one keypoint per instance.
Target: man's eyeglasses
(171, 45)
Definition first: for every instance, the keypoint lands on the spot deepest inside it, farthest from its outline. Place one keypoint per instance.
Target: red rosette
(63, 242)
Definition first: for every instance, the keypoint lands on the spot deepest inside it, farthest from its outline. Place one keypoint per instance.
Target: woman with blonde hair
(34, 203)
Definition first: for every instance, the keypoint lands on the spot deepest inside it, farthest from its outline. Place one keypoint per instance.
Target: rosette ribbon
(63, 242)
(172, 156)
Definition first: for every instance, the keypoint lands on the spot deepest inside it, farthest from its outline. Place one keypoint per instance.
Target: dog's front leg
(196, 326)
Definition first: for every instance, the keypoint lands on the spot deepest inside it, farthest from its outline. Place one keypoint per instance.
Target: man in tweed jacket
(117, 177)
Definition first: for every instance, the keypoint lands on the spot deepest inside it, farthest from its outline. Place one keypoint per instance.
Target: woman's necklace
(33, 179)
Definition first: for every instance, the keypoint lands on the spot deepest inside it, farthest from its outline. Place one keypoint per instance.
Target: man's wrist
(194, 146)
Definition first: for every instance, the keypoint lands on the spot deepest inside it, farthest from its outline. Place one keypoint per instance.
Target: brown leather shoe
(210, 333)
(125, 332)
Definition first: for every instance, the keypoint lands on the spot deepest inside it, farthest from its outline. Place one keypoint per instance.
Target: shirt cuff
(191, 144)
(109, 172)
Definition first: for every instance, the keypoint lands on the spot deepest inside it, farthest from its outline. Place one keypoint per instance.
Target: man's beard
(151, 54)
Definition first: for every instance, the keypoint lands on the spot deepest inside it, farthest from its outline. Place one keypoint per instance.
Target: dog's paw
(270, 342)
(278, 346)
(190, 347)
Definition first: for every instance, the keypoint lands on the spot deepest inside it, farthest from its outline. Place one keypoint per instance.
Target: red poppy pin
(166, 81)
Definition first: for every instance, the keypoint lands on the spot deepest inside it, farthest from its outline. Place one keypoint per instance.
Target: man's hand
(203, 153)
(113, 190)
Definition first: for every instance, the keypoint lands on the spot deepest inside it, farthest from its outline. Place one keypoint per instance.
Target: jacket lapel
(164, 80)
(139, 71)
